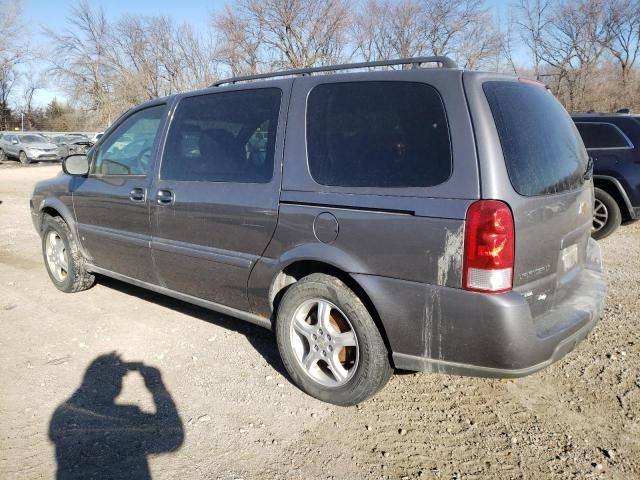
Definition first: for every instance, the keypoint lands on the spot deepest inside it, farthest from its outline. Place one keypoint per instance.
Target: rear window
(377, 134)
(541, 146)
(601, 135)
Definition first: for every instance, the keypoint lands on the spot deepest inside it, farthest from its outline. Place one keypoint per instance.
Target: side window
(377, 134)
(127, 151)
(601, 135)
(223, 137)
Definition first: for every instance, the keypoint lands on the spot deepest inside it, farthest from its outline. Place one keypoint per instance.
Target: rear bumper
(564, 346)
(458, 332)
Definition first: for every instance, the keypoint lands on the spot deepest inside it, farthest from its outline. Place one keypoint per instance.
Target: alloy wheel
(324, 342)
(57, 257)
(600, 215)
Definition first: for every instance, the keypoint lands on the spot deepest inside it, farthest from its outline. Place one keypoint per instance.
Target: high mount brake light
(529, 81)
(488, 247)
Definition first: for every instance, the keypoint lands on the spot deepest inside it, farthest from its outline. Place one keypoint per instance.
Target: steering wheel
(143, 159)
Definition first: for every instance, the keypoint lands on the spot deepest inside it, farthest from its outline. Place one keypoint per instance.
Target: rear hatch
(548, 189)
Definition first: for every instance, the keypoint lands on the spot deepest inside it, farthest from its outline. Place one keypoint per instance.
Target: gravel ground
(224, 408)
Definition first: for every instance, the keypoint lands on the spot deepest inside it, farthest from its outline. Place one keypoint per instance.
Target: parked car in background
(613, 142)
(72, 144)
(28, 147)
(411, 218)
(94, 137)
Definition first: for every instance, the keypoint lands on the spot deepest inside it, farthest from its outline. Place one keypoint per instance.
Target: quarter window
(128, 150)
(540, 144)
(223, 137)
(602, 135)
(377, 134)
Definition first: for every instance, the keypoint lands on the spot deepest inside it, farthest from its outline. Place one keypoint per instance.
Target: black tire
(24, 160)
(77, 278)
(372, 370)
(605, 205)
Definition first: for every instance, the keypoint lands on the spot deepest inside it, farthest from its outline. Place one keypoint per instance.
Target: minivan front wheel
(62, 257)
(606, 215)
(329, 343)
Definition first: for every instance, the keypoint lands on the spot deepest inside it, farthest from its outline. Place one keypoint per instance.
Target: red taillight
(488, 247)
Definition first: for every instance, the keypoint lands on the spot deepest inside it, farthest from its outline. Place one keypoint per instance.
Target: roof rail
(415, 62)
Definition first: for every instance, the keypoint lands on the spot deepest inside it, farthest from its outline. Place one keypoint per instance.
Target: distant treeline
(584, 50)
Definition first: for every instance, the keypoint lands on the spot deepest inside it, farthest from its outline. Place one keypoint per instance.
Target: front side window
(223, 137)
(602, 135)
(377, 134)
(128, 150)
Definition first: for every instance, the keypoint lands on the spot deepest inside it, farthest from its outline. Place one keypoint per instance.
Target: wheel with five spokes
(62, 257)
(329, 343)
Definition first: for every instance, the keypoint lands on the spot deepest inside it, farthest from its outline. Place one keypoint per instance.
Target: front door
(112, 202)
(215, 200)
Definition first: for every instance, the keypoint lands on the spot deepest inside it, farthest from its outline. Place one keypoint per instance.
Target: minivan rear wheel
(329, 343)
(606, 215)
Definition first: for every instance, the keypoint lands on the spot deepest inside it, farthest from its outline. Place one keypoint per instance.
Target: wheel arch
(55, 208)
(296, 269)
(613, 187)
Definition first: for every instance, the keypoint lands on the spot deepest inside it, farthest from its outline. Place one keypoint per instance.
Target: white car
(28, 148)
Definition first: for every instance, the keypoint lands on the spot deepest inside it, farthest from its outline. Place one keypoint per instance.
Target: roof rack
(415, 62)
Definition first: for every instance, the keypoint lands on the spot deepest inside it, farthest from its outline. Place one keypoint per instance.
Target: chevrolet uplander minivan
(428, 219)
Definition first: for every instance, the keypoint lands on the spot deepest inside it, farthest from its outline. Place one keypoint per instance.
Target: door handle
(164, 197)
(138, 194)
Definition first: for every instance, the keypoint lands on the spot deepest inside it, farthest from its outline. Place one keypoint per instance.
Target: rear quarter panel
(413, 234)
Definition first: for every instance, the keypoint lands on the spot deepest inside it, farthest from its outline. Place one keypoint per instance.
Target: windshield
(32, 139)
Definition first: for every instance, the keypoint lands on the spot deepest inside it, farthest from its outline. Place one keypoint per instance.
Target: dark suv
(409, 218)
(613, 141)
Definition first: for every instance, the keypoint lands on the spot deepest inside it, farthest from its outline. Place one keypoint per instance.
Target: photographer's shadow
(98, 439)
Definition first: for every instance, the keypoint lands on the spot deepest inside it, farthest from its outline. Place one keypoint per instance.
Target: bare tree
(384, 29)
(80, 59)
(578, 34)
(12, 53)
(281, 33)
(405, 28)
(624, 44)
(33, 83)
(240, 38)
(533, 18)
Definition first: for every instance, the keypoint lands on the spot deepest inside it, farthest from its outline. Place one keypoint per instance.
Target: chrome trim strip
(207, 253)
(129, 237)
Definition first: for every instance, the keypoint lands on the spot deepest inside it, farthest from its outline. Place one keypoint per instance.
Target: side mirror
(14, 142)
(76, 165)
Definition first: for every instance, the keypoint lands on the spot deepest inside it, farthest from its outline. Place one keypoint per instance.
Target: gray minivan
(428, 219)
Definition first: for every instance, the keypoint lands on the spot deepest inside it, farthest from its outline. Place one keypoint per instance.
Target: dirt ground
(227, 410)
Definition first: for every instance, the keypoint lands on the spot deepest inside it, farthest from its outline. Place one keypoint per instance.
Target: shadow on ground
(261, 339)
(96, 439)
